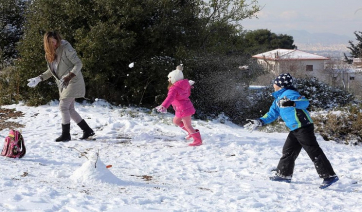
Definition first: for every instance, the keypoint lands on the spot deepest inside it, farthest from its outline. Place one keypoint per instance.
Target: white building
(348, 77)
(357, 63)
(300, 64)
(293, 61)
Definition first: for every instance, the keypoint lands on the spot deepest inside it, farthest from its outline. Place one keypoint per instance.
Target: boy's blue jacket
(294, 117)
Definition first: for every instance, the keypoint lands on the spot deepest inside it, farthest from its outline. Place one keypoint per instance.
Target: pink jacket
(178, 96)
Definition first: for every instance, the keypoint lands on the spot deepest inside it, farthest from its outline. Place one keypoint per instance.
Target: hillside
(153, 169)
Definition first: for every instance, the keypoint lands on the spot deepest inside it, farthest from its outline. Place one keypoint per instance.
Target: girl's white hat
(176, 75)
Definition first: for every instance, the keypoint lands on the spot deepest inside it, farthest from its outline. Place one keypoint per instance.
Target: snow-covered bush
(321, 95)
(345, 126)
(240, 103)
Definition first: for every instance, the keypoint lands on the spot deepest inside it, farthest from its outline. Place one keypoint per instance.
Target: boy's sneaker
(328, 181)
(280, 179)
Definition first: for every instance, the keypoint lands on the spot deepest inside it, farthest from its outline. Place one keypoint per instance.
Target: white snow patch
(154, 169)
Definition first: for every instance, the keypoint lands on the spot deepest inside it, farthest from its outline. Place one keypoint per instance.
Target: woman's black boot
(87, 131)
(65, 133)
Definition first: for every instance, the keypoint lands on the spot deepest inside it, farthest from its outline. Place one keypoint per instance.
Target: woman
(65, 66)
(179, 90)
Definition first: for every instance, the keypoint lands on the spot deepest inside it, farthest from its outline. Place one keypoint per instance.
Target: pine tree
(262, 40)
(108, 35)
(41, 17)
(356, 49)
(11, 22)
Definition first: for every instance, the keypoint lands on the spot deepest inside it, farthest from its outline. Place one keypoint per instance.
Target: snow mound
(93, 171)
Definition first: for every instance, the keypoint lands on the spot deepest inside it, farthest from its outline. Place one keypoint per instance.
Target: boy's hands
(285, 102)
(253, 124)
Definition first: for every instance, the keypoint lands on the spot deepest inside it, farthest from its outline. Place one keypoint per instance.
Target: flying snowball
(131, 65)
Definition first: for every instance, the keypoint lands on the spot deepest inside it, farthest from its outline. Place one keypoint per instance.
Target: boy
(291, 107)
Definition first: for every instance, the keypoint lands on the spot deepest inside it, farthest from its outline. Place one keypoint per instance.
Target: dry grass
(344, 125)
(6, 114)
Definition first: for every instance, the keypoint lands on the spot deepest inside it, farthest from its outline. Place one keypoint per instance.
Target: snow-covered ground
(153, 169)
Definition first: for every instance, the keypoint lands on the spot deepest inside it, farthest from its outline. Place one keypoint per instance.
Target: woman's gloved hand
(64, 82)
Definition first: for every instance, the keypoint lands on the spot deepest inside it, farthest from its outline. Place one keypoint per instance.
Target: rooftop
(290, 54)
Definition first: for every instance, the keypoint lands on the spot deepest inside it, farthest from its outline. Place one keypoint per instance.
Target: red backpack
(14, 145)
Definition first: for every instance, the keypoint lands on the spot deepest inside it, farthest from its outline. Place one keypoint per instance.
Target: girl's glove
(161, 109)
(34, 81)
(253, 124)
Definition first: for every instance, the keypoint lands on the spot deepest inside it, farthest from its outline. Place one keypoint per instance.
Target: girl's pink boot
(197, 139)
(188, 136)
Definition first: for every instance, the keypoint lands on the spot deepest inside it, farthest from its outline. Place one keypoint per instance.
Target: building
(348, 77)
(301, 64)
(357, 63)
(293, 61)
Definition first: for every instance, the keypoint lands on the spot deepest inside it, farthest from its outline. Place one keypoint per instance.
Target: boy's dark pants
(303, 138)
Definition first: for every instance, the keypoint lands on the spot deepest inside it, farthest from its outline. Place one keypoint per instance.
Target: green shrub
(9, 86)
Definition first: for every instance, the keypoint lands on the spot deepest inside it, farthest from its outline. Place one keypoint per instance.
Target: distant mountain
(304, 37)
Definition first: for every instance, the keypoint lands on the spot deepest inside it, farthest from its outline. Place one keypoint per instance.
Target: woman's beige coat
(68, 61)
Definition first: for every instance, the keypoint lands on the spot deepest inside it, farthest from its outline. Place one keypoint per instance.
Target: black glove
(288, 104)
(285, 102)
(65, 80)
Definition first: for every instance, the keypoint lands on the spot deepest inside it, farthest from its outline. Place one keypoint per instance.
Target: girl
(179, 90)
(65, 66)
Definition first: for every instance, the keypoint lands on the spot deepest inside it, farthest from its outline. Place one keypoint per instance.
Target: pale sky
(341, 17)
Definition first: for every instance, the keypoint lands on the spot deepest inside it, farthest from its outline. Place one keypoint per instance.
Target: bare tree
(228, 11)
(343, 75)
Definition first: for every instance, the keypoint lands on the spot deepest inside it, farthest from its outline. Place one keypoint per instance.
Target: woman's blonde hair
(48, 48)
